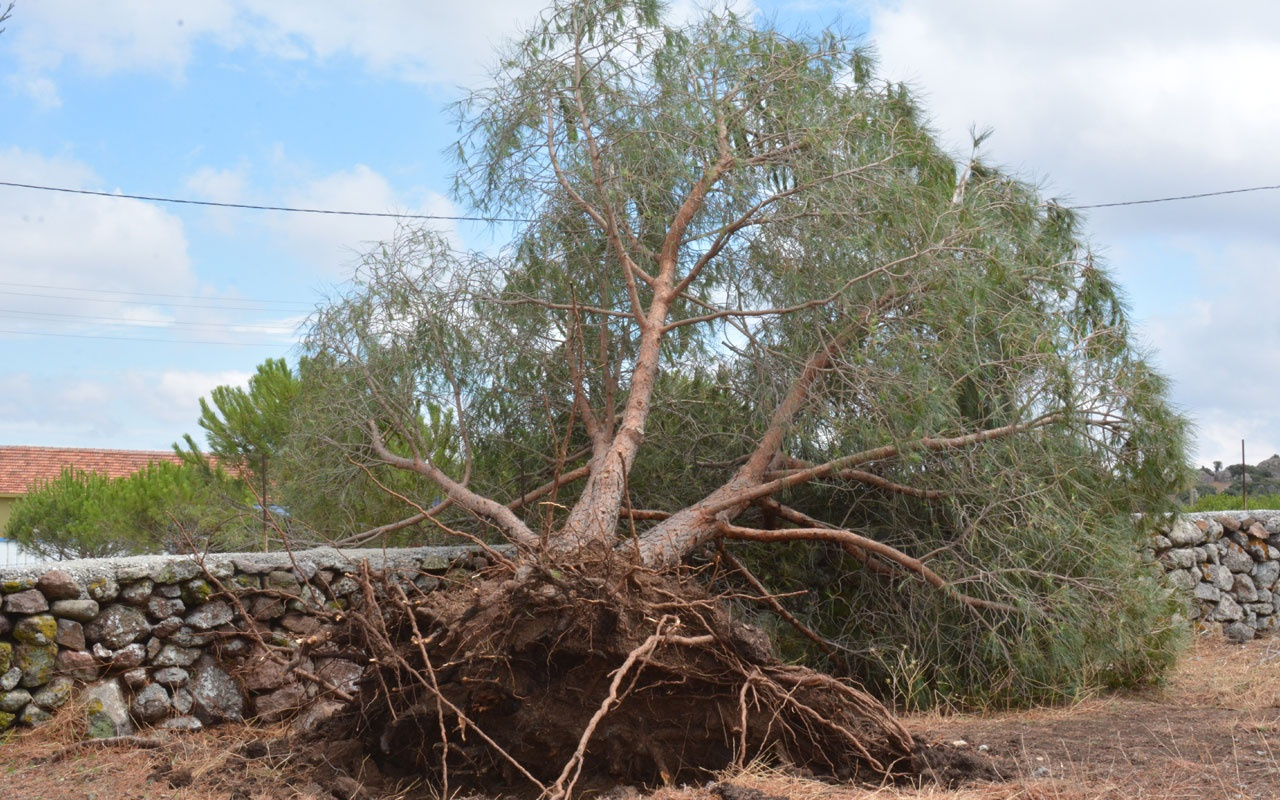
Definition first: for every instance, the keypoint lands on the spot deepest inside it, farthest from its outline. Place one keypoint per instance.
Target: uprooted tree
(748, 299)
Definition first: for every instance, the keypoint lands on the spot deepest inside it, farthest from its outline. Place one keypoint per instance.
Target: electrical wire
(463, 218)
(253, 207)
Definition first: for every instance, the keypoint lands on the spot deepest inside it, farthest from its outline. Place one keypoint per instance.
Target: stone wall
(162, 640)
(1227, 565)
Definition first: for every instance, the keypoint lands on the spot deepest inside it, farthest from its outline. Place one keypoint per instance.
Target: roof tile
(20, 467)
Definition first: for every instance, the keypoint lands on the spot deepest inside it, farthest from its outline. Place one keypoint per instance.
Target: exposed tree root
(548, 681)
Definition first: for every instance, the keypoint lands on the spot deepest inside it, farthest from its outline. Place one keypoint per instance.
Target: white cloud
(447, 43)
(1110, 101)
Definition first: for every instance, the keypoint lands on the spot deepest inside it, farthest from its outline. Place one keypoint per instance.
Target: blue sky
(341, 105)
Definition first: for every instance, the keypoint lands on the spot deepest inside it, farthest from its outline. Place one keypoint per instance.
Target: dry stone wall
(177, 642)
(1227, 566)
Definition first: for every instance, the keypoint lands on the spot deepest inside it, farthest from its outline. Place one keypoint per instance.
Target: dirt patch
(535, 681)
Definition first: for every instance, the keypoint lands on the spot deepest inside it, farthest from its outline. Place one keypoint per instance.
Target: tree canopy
(749, 298)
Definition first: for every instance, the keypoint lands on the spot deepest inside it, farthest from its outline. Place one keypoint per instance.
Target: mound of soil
(547, 680)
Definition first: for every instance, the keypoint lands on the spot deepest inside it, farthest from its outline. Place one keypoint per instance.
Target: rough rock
(77, 664)
(217, 697)
(129, 657)
(1183, 533)
(1239, 632)
(162, 607)
(28, 602)
(171, 677)
(107, 711)
(78, 610)
(14, 701)
(117, 626)
(171, 655)
(1244, 590)
(137, 593)
(70, 634)
(1228, 610)
(36, 630)
(36, 662)
(54, 694)
(1237, 560)
(280, 704)
(59, 584)
(151, 705)
(211, 615)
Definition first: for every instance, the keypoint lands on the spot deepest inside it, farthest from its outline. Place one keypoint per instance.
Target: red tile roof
(20, 467)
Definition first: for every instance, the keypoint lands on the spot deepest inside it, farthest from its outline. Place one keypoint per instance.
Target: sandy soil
(1213, 732)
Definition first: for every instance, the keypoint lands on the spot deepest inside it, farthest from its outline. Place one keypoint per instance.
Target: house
(23, 467)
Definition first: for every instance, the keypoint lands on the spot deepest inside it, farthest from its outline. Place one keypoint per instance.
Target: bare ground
(1213, 732)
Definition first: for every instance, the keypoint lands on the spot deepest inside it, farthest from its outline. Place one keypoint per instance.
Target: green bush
(164, 508)
(1233, 502)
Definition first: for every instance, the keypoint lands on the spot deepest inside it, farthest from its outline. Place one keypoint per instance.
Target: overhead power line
(463, 218)
(253, 207)
(1178, 197)
(233, 303)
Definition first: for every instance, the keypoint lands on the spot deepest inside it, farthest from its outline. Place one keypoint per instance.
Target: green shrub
(1233, 502)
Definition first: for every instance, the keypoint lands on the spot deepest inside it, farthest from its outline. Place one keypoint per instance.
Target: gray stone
(171, 676)
(10, 679)
(1181, 579)
(57, 584)
(77, 664)
(135, 679)
(163, 607)
(1219, 576)
(103, 589)
(34, 715)
(1228, 610)
(1228, 522)
(1184, 533)
(1244, 590)
(13, 702)
(183, 723)
(135, 594)
(54, 694)
(1158, 542)
(151, 705)
(186, 636)
(174, 570)
(170, 590)
(1259, 609)
(70, 634)
(28, 602)
(1212, 529)
(78, 610)
(170, 655)
(216, 695)
(281, 581)
(266, 608)
(107, 711)
(1207, 592)
(1239, 632)
(5, 625)
(1201, 554)
(1266, 574)
(182, 701)
(117, 626)
(167, 627)
(210, 615)
(129, 657)
(1237, 560)
(1180, 557)
(1264, 595)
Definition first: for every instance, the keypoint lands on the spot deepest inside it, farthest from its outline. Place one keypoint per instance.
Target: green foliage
(1227, 501)
(939, 328)
(165, 507)
(246, 428)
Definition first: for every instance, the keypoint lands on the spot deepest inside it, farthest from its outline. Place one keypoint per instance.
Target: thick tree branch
(501, 516)
(888, 553)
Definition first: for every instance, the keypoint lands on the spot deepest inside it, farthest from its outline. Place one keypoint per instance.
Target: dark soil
(535, 680)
